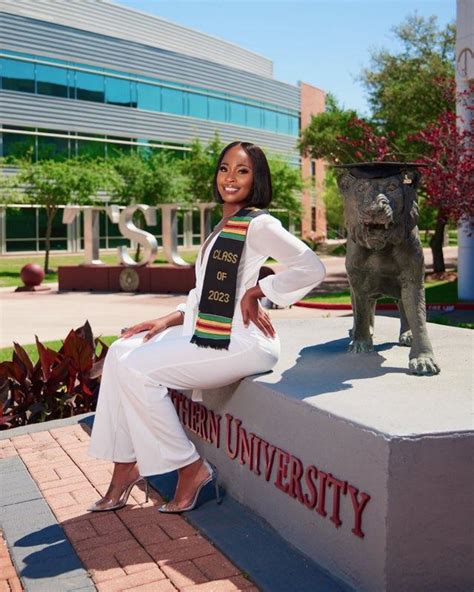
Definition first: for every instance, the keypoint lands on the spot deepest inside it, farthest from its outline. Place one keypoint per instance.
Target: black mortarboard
(378, 169)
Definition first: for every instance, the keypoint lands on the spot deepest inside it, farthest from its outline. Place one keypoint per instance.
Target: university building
(95, 77)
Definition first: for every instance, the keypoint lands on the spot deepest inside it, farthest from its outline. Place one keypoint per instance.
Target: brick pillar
(312, 102)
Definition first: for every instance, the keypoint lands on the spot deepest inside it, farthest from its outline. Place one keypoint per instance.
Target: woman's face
(235, 176)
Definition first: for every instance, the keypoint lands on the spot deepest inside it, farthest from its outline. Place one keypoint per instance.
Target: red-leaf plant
(60, 384)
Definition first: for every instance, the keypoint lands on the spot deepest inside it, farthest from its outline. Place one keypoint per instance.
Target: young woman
(219, 336)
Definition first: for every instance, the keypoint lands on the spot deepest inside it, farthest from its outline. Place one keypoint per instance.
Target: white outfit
(135, 417)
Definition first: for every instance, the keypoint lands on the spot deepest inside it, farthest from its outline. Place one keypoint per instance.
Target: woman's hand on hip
(152, 327)
(252, 311)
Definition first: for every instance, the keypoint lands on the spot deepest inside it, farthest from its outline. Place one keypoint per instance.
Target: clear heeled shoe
(199, 496)
(111, 505)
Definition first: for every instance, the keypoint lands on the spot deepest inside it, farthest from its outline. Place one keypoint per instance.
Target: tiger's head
(380, 211)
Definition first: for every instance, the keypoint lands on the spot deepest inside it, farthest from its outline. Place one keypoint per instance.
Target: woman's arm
(155, 326)
(305, 269)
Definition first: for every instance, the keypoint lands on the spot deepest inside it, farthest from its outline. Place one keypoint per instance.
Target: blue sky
(323, 42)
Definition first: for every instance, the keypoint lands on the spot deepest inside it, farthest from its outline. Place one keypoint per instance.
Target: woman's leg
(110, 438)
(145, 373)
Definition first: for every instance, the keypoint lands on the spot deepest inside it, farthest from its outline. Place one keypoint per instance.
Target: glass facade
(34, 74)
(46, 144)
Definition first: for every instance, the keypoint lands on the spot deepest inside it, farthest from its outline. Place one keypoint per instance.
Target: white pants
(136, 419)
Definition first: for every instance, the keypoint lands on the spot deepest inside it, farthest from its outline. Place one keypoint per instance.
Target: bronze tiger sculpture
(385, 256)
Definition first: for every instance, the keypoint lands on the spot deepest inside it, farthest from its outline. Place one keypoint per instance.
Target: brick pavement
(9, 581)
(133, 549)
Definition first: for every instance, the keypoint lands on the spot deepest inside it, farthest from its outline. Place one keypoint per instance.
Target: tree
(199, 167)
(150, 179)
(54, 183)
(341, 136)
(286, 184)
(407, 90)
(449, 174)
(166, 182)
(334, 204)
(321, 138)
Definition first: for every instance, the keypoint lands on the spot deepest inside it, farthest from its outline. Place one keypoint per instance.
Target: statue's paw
(405, 338)
(423, 366)
(359, 346)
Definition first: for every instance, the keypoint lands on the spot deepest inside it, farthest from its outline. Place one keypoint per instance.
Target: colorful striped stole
(216, 306)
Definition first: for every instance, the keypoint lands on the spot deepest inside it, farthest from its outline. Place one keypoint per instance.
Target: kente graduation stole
(216, 307)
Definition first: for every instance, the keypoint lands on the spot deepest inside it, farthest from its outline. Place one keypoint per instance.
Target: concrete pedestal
(358, 464)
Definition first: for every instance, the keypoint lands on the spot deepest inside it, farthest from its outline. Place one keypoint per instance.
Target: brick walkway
(9, 581)
(136, 548)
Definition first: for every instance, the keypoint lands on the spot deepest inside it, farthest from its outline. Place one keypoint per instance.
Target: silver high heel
(196, 501)
(122, 500)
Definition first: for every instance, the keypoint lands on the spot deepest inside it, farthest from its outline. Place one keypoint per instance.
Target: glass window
(115, 150)
(18, 75)
(172, 101)
(217, 110)
(283, 123)
(14, 246)
(91, 148)
(197, 106)
(21, 223)
(51, 81)
(90, 87)
(18, 146)
(237, 113)
(148, 97)
(57, 244)
(58, 231)
(51, 148)
(270, 120)
(143, 147)
(117, 91)
(294, 125)
(254, 116)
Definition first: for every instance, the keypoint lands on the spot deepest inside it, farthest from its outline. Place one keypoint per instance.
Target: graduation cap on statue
(379, 169)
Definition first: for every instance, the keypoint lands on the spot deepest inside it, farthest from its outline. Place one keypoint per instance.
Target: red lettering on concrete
(338, 487)
(214, 428)
(245, 449)
(282, 471)
(186, 412)
(194, 417)
(321, 507)
(256, 463)
(359, 506)
(311, 500)
(230, 453)
(202, 422)
(269, 458)
(176, 399)
(296, 472)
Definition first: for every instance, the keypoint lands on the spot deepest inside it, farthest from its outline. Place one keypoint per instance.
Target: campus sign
(148, 242)
(317, 490)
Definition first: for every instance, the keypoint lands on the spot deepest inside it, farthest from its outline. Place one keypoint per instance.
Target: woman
(221, 335)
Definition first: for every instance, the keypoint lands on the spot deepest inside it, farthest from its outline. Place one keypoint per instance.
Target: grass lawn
(7, 352)
(436, 293)
(10, 266)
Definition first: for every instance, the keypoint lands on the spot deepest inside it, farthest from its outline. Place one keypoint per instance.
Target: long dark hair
(261, 192)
